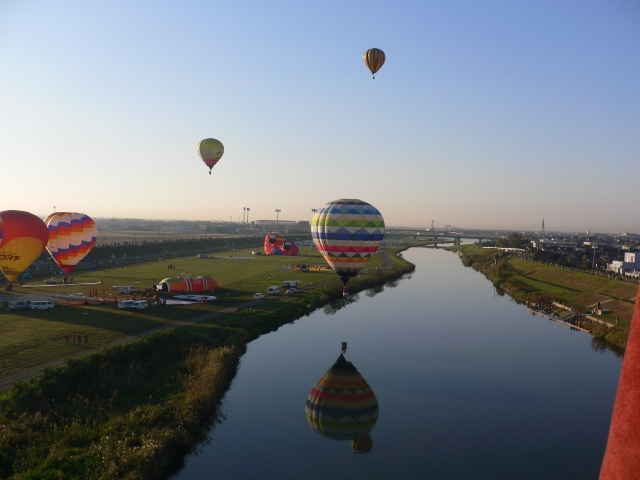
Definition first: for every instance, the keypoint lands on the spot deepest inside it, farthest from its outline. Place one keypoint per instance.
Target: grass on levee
(129, 410)
(125, 412)
(30, 338)
(534, 281)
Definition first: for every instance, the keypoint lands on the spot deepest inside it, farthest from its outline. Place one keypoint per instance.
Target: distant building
(631, 263)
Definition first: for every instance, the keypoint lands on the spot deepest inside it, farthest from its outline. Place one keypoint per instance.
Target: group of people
(77, 338)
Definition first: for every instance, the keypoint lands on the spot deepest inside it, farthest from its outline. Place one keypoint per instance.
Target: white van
(124, 289)
(273, 290)
(18, 305)
(289, 284)
(41, 305)
(202, 255)
(140, 305)
(125, 304)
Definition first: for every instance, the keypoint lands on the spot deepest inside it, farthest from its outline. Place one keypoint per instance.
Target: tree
(517, 241)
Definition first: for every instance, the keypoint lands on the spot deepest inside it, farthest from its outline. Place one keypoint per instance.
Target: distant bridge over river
(436, 237)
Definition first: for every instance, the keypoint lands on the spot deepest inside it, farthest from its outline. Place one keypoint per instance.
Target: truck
(289, 284)
(124, 289)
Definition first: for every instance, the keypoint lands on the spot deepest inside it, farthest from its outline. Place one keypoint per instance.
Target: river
(469, 385)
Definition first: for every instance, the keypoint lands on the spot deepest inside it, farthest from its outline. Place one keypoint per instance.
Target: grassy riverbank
(537, 283)
(133, 410)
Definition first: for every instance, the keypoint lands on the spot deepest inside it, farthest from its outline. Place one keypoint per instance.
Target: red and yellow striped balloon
(71, 237)
(374, 59)
(23, 237)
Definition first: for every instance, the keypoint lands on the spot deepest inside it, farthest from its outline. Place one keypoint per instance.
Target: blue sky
(485, 114)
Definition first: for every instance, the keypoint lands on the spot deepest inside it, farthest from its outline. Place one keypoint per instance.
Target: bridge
(434, 236)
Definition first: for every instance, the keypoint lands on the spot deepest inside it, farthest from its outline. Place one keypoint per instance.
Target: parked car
(125, 304)
(124, 289)
(259, 296)
(52, 280)
(256, 252)
(291, 291)
(140, 305)
(41, 305)
(273, 290)
(379, 267)
(18, 305)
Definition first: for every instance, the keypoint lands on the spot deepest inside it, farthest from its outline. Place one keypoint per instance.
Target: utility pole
(244, 212)
(248, 214)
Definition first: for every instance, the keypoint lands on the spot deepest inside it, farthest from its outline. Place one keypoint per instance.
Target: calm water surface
(469, 384)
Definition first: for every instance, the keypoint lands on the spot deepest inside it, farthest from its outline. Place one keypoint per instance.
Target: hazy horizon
(484, 115)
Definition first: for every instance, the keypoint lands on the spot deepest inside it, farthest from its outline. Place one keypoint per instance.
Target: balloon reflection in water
(342, 406)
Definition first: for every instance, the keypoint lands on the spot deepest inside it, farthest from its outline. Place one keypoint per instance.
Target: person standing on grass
(66, 337)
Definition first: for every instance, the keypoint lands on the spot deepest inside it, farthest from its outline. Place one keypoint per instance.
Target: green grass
(30, 338)
(532, 281)
(129, 410)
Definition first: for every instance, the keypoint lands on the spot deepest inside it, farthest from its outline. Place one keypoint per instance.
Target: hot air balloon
(210, 150)
(23, 237)
(374, 59)
(71, 237)
(184, 284)
(347, 233)
(274, 244)
(342, 406)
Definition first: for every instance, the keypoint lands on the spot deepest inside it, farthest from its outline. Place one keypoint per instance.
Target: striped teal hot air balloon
(347, 232)
(342, 406)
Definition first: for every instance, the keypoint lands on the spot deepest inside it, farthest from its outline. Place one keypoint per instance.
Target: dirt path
(6, 382)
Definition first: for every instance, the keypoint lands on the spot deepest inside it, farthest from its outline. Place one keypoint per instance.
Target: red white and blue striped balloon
(71, 237)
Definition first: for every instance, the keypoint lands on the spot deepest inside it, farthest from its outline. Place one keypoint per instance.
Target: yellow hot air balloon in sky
(210, 150)
(23, 237)
(374, 59)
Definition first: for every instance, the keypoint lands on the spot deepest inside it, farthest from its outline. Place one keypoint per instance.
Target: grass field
(577, 288)
(29, 338)
(134, 408)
